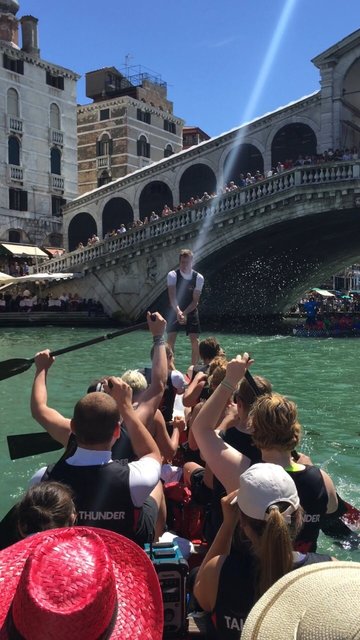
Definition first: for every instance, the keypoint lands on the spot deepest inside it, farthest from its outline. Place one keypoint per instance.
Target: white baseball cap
(263, 485)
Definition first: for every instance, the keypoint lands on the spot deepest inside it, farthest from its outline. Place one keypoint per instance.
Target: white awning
(323, 292)
(34, 277)
(24, 250)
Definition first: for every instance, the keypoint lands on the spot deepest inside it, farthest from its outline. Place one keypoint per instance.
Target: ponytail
(274, 546)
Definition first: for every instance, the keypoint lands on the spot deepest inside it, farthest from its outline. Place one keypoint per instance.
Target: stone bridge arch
(291, 140)
(196, 179)
(242, 158)
(81, 227)
(153, 197)
(116, 211)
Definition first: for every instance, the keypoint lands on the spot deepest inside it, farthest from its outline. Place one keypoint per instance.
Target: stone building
(38, 156)
(129, 125)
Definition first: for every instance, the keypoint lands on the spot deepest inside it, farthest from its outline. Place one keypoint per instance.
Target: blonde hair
(274, 423)
(218, 374)
(135, 380)
(274, 544)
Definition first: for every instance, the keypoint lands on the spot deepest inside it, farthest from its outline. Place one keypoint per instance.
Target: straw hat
(317, 602)
(78, 583)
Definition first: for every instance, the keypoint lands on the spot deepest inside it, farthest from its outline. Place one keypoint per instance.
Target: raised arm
(55, 424)
(225, 462)
(151, 397)
(143, 443)
(193, 391)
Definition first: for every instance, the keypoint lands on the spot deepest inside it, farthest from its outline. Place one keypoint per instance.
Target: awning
(54, 252)
(33, 277)
(323, 292)
(22, 250)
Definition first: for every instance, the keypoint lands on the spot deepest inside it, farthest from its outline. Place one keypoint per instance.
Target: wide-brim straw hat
(317, 602)
(78, 583)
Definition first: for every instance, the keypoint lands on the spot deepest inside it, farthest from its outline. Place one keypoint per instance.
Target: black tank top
(102, 494)
(236, 592)
(313, 499)
(185, 289)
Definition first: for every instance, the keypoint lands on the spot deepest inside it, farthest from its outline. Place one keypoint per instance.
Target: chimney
(29, 33)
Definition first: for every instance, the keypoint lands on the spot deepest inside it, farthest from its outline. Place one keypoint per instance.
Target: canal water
(320, 375)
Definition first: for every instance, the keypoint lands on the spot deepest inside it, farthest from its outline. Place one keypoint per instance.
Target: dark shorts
(192, 325)
(145, 528)
(199, 491)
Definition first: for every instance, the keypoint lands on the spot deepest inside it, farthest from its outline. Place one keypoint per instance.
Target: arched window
(14, 151)
(55, 122)
(104, 146)
(14, 235)
(168, 151)
(13, 103)
(143, 147)
(55, 161)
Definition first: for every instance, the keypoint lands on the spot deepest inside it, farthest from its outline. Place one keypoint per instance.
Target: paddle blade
(31, 444)
(9, 368)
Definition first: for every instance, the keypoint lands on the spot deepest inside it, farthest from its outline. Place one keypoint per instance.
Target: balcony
(56, 183)
(56, 136)
(15, 173)
(14, 124)
(103, 162)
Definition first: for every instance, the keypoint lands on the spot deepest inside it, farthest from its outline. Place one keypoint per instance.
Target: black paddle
(12, 367)
(31, 444)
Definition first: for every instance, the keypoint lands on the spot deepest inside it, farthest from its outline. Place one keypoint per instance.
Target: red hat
(78, 583)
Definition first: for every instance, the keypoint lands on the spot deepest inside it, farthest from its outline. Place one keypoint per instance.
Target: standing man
(184, 288)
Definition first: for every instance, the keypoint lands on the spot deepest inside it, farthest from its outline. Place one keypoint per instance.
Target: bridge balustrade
(296, 177)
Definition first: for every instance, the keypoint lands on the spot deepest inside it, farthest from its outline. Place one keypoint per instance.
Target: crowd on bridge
(243, 180)
(209, 459)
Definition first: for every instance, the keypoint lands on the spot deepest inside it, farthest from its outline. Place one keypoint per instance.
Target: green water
(320, 375)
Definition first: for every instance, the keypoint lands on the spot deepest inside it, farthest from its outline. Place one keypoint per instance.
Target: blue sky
(224, 62)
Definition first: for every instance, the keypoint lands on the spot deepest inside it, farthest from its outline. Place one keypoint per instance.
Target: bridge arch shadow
(291, 141)
(195, 181)
(81, 228)
(241, 160)
(154, 197)
(117, 211)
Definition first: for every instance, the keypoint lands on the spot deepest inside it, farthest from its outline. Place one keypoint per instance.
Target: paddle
(12, 367)
(31, 444)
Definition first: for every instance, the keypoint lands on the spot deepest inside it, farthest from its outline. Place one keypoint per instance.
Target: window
(168, 151)
(104, 114)
(55, 122)
(143, 147)
(104, 146)
(169, 126)
(56, 205)
(104, 178)
(54, 81)
(18, 200)
(13, 64)
(14, 236)
(14, 151)
(13, 103)
(144, 116)
(55, 161)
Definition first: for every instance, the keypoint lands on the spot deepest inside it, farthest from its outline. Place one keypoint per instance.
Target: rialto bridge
(259, 247)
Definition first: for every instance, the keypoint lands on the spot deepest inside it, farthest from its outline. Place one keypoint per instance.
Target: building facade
(129, 125)
(38, 141)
